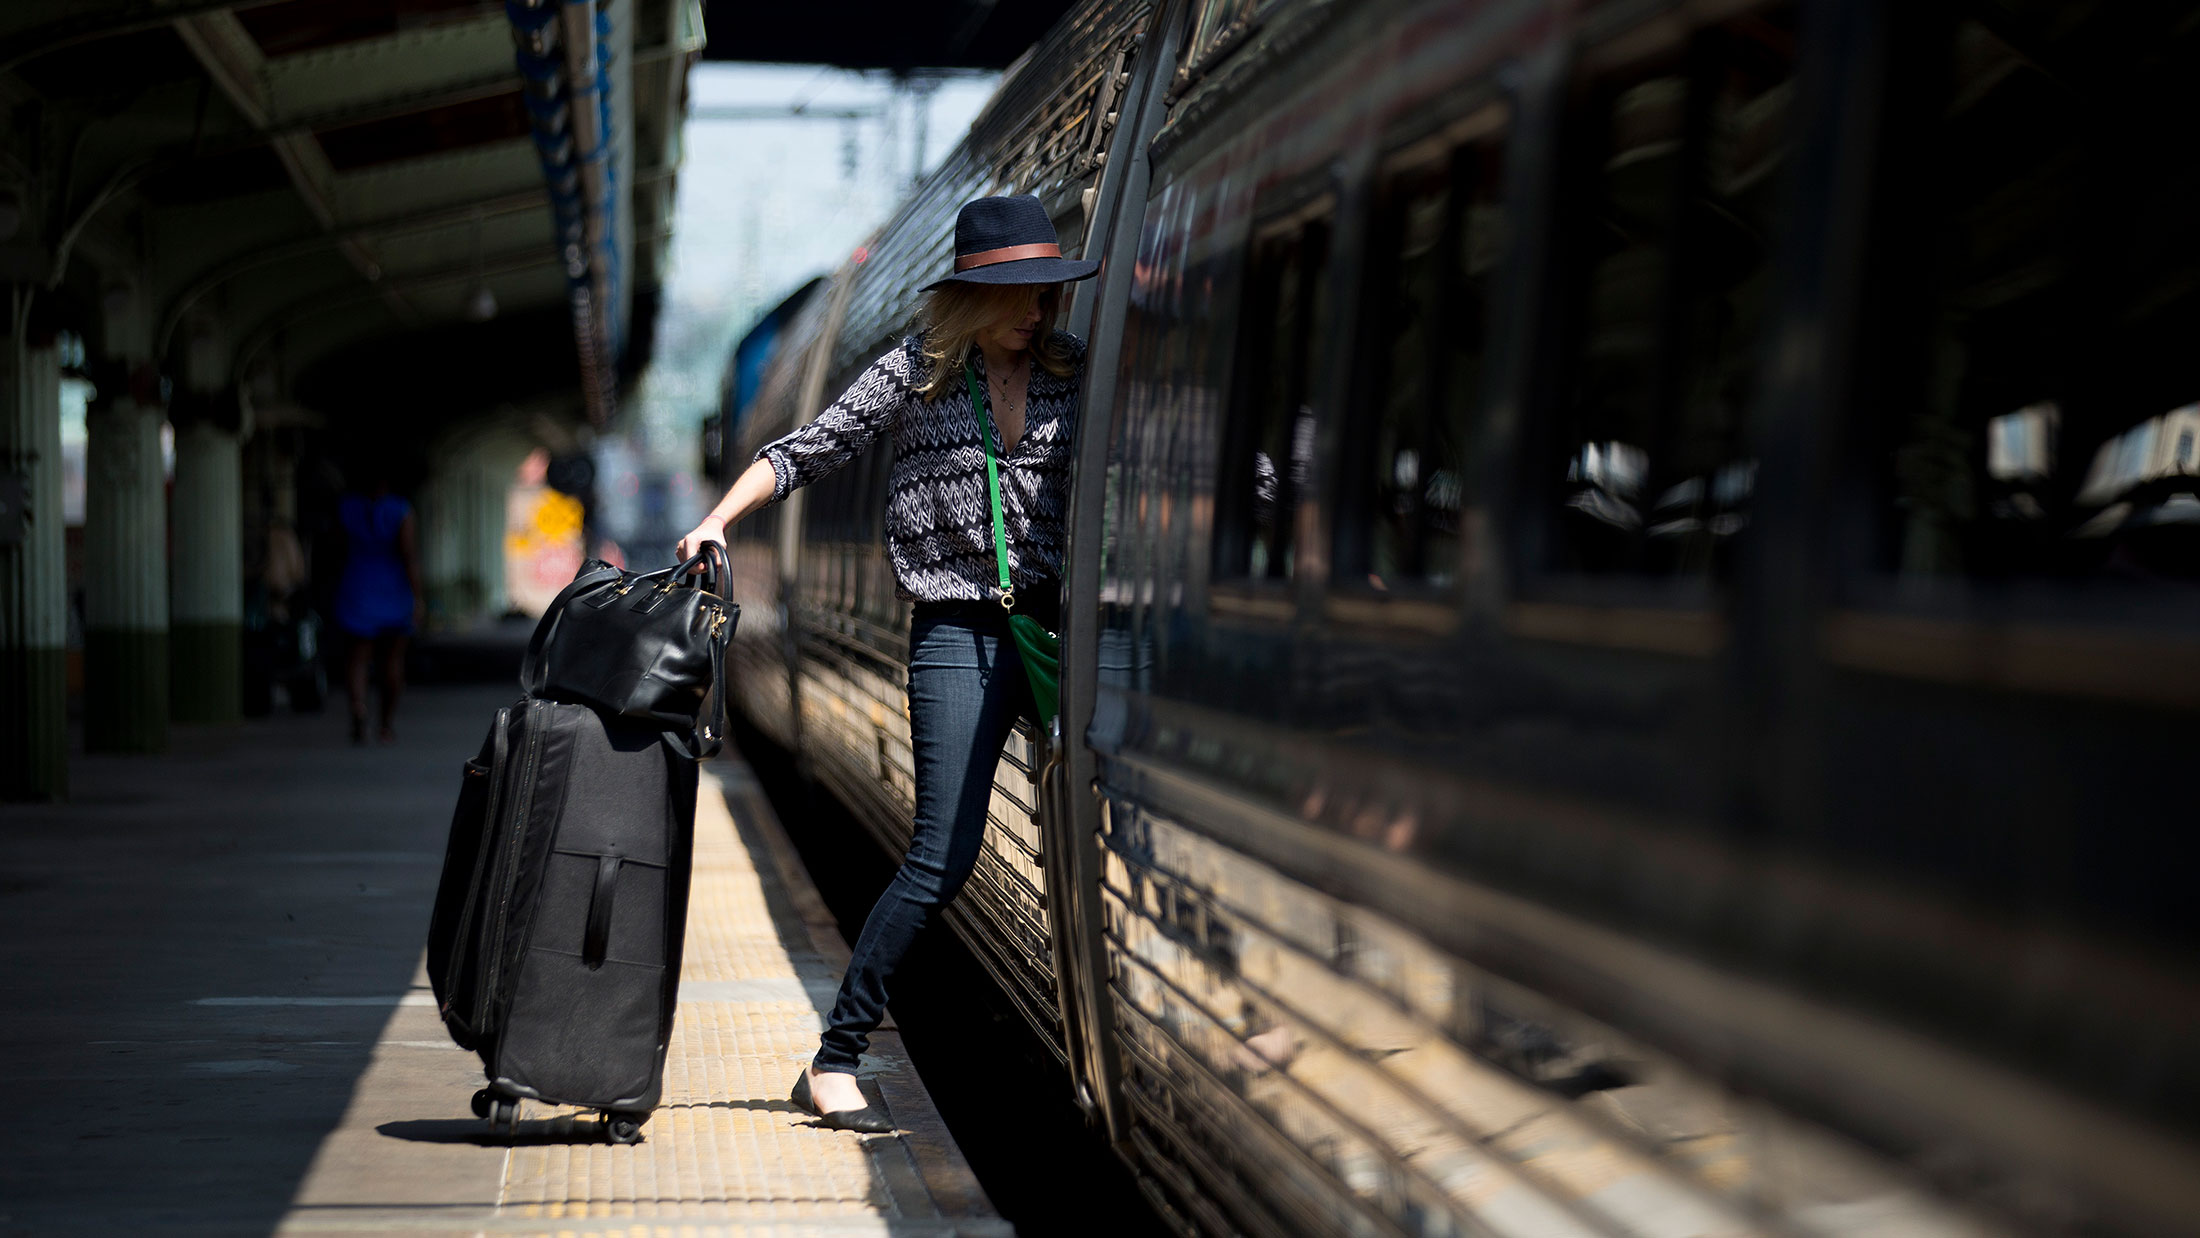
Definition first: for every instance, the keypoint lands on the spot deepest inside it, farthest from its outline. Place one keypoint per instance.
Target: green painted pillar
(206, 582)
(488, 495)
(439, 568)
(461, 513)
(34, 731)
(126, 655)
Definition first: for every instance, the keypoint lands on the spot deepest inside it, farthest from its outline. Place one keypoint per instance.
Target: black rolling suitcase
(555, 944)
(554, 947)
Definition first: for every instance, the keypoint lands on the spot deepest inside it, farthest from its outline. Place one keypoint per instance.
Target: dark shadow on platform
(205, 948)
(531, 1132)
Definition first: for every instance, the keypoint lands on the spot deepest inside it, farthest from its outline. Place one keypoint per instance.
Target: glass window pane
(1269, 442)
(1410, 438)
(1436, 236)
(2046, 417)
(1676, 187)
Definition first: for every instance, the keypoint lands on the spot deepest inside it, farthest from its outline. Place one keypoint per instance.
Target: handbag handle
(717, 580)
(717, 570)
(533, 671)
(711, 735)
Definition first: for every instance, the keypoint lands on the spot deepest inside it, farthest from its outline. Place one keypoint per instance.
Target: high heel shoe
(867, 1120)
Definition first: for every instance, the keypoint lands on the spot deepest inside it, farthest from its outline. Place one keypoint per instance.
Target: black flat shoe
(867, 1120)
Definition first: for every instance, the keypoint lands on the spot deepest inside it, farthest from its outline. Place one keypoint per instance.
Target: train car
(1631, 653)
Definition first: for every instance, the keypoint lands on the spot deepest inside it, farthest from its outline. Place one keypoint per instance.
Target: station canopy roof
(345, 188)
(877, 34)
(314, 182)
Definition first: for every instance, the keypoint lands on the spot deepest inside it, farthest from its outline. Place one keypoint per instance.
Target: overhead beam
(371, 74)
(18, 49)
(296, 147)
(168, 159)
(510, 262)
(234, 61)
(531, 198)
(388, 106)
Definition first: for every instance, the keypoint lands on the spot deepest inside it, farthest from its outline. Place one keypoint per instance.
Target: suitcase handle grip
(598, 939)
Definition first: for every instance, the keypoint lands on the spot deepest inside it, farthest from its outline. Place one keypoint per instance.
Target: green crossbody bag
(1042, 650)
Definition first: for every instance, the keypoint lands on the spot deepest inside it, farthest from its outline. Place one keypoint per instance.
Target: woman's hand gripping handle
(750, 491)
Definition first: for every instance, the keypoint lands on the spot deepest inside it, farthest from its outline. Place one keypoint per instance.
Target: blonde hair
(955, 314)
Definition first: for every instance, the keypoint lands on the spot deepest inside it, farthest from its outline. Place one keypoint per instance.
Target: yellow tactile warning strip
(727, 1146)
(726, 1155)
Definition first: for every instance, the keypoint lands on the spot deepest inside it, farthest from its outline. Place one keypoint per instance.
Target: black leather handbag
(648, 646)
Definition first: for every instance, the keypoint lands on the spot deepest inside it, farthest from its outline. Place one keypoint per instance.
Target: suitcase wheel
(482, 1101)
(623, 1127)
(503, 1116)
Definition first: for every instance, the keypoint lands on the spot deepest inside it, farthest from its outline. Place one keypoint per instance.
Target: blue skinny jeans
(966, 688)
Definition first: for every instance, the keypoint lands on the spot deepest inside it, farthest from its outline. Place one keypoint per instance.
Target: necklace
(1001, 399)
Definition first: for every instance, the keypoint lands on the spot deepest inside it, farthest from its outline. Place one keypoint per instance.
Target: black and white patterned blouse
(939, 526)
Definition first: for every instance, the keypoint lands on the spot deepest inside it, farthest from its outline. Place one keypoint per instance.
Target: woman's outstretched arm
(868, 408)
(749, 491)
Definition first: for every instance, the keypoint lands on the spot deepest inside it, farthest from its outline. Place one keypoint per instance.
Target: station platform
(220, 1022)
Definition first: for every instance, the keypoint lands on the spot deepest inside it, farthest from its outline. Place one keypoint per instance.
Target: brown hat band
(1012, 253)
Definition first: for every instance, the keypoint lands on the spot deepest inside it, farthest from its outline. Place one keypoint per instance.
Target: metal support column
(34, 733)
(438, 566)
(207, 595)
(487, 488)
(461, 515)
(126, 653)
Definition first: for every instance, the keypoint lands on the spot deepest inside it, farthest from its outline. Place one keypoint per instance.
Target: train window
(2043, 416)
(1434, 239)
(1217, 18)
(1674, 176)
(1268, 442)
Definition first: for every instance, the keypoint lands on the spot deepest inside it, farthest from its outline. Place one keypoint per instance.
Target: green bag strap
(992, 484)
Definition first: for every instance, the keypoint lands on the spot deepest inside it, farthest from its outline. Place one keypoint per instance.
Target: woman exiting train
(987, 328)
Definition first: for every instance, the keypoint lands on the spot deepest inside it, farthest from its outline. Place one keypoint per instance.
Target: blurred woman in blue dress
(378, 600)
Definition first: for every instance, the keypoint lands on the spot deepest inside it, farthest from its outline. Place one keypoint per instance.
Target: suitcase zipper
(491, 813)
(508, 877)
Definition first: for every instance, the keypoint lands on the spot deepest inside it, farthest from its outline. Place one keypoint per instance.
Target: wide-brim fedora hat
(1010, 241)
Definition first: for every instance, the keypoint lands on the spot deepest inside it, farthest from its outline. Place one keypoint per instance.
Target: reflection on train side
(1677, 180)
(1610, 478)
(1435, 242)
(1381, 1086)
(2146, 477)
(2164, 449)
(2055, 322)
